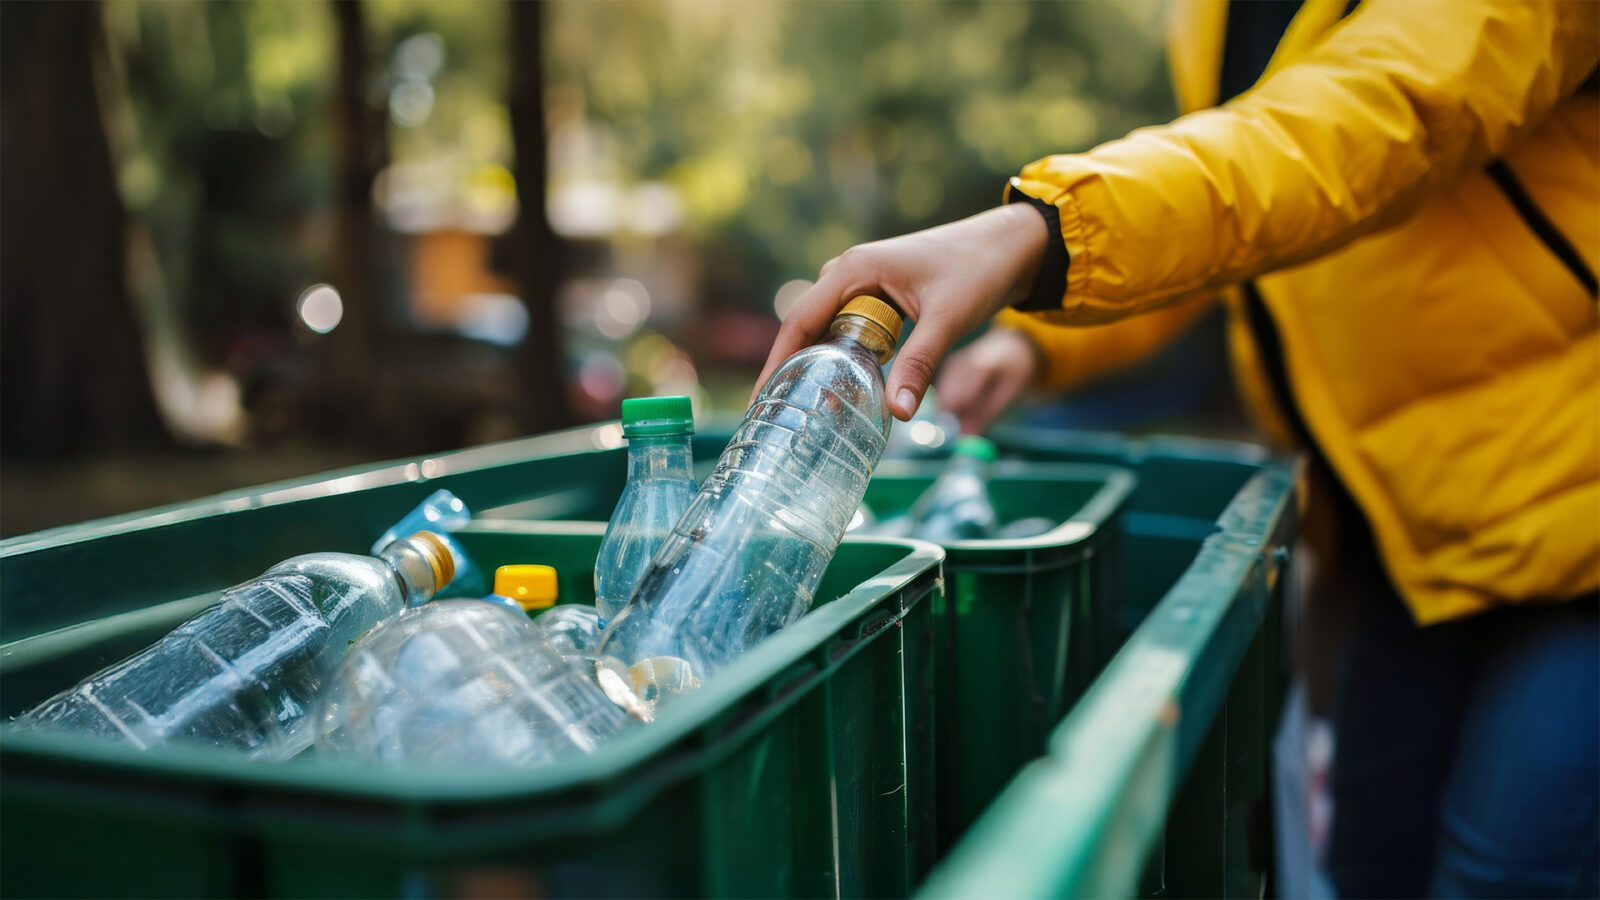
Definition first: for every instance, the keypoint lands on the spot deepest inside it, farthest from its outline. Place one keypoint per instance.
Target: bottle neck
(865, 332)
(412, 569)
(654, 457)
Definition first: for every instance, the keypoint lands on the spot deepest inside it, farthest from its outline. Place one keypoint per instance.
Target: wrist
(1025, 238)
(1050, 261)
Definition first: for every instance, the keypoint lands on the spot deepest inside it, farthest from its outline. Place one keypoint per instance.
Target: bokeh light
(410, 103)
(788, 295)
(600, 377)
(622, 308)
(499, 319)
(607, 437)
(927, 434)
(320, 308)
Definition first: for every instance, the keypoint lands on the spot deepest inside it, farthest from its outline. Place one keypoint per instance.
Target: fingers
(962, 381)
(979, 382)
(976, 417)
(915, 364)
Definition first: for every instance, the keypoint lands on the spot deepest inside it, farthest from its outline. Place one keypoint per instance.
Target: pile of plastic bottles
(407, 654)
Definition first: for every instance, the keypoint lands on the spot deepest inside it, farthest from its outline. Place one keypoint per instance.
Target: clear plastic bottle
(462, 681)
(957, 506)
(244, 673)
(746, 557)
(660, 486)
(440, 514)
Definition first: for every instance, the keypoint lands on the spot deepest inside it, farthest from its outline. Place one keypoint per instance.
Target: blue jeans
(1467, 754)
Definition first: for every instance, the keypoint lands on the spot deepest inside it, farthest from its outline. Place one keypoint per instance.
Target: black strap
(1541, 225)
(1051, 284)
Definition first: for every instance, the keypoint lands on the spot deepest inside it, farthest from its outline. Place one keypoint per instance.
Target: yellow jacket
(1443, 357)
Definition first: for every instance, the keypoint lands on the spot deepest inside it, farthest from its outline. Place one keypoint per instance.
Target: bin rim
(440, 784)
(1117, 484)
(419, 470)
(1134, 450)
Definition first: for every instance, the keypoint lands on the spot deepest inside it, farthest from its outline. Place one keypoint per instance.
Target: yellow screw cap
(875, 310)
(533, 587)
(437, 553)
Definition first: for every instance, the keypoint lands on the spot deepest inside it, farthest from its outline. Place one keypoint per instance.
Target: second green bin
(1020, 627)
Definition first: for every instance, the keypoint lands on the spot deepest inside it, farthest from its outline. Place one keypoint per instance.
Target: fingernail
(907, 400)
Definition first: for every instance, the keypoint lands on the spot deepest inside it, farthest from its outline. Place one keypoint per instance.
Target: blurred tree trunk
(72, 365)
(537, 254)
(363, 151)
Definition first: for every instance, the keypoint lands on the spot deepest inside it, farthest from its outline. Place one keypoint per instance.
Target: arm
(1388, 110)
(1076, 356)
(979, 381)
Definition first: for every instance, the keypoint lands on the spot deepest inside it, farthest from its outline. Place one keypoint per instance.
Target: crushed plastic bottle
(244, 673)
(462, 681)
(744, 560)
(957, 506)
(441, 513)
(660, 486)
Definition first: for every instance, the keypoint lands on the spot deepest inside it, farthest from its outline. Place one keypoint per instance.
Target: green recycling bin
(1144, 534)
(1018, 626)
(1156, 782)
(806, 768)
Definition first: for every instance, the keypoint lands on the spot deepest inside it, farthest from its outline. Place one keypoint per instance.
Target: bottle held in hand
(745, 558)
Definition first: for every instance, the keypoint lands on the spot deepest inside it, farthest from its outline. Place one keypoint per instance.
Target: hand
(978, 382)
(947, 279)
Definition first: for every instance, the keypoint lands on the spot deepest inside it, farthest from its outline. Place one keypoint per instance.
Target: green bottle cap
(657, 417)
(976, 446)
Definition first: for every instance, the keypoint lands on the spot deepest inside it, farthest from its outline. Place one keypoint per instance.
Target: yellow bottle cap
(437, 553)
(533, 587)
(875, 310)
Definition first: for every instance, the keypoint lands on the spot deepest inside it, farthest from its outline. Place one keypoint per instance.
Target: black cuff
(1051, 285)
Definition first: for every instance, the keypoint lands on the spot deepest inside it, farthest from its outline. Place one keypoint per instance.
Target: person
(1399, 203)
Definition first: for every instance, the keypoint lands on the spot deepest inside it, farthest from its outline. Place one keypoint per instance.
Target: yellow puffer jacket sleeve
(1074, 356)
(1392, 106)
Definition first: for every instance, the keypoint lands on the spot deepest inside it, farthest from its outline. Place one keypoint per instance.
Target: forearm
(1388, 110)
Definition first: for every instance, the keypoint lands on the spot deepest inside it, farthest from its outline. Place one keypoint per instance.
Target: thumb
(914, 366)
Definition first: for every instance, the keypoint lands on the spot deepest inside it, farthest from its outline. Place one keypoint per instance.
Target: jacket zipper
(1541, 226)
